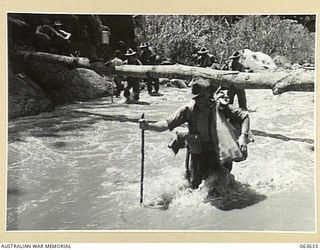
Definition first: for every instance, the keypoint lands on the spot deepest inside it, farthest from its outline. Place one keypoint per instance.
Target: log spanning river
(78, 168)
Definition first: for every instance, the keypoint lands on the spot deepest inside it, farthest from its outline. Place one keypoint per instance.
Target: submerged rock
(178, 83)
(163, 81)
(310, 148)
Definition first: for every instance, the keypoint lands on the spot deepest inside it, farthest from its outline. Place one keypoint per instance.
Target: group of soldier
(80, 35)
(146, 56)
(205, 59)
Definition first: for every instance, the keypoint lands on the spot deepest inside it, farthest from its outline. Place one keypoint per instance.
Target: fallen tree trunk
(48, 57)
(279, 82)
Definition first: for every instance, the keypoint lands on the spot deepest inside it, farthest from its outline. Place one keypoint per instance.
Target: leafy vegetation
(179, 37)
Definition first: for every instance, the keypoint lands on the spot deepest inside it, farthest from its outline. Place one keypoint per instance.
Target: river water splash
(78, 168)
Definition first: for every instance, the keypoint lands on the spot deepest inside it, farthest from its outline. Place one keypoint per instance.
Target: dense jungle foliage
(178, 37)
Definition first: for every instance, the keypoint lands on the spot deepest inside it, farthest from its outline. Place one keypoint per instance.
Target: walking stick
(142, 163)
(188, 173)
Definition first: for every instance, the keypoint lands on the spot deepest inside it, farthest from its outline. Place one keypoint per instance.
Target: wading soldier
(147, 57)
(132, 82)
(116, 61)
(211, 141)
(235, 65)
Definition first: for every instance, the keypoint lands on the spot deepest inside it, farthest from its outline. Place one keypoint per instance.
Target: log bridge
(278, 81)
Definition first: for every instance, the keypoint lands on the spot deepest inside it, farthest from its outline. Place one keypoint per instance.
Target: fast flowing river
(78, 168)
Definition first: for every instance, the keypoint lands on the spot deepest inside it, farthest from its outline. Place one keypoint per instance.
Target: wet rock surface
(26, 98)
(47, 85)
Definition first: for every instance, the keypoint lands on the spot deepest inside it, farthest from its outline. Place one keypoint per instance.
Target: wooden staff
(142, 163)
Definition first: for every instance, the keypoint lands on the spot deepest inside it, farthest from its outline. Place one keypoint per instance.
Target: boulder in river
(25, 97)
(65, 85)
(282, 62)
(257, 61)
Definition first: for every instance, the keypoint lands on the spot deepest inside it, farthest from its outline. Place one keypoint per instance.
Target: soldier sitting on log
(54, 39)
(63, 41)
